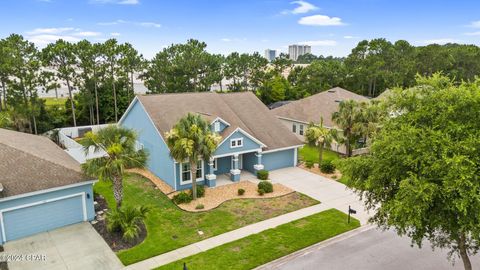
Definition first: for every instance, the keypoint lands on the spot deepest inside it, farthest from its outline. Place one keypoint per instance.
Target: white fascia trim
(221, 120)
(244, 133)
(238, 153)
(38, 192)
(135, 99)
(283, 148)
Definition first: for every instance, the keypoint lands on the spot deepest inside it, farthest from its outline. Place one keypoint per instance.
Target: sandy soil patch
(161, 185)
(334, 176)
(218, 195)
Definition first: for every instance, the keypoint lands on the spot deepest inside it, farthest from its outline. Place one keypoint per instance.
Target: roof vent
(331, 91)
(338, 101)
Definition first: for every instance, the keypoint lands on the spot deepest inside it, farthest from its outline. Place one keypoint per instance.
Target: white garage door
(29, 219)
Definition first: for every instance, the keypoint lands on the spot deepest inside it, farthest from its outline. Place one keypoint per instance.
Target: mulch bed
(333, 176)
(114, 239)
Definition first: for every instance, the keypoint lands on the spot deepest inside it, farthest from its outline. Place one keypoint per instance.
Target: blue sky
(332, 27)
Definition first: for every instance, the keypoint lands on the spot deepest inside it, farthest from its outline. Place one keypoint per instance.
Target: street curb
(278, 262)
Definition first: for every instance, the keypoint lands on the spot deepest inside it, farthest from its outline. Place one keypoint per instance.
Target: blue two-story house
(252, 137)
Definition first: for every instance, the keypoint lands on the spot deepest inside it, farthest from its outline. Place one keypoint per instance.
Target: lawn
(308, 152)
(169, 227)
(266, 246)
(51, 101)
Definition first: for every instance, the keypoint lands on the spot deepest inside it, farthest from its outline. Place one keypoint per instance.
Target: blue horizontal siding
(248, 144)
(279, 159)
(35, 219)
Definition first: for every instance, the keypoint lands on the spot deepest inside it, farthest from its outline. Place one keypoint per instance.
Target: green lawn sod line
(169, 227)
(310, 153)
(50, 101)
(266, 246)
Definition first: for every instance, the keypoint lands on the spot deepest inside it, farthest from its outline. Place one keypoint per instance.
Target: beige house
(298, 114)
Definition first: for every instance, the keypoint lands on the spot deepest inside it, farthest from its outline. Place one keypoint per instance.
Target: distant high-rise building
(270, 54)
(294, 51)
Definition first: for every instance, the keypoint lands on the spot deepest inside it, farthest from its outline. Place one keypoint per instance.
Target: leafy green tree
(131, 62)
(60, 56)
(306, 58)
(421, 175)
(111, 51)
(319, 136)
(191, 140)
(319, 76)
(119, 146)
(282, 63)
(274, 89)
(346, 118)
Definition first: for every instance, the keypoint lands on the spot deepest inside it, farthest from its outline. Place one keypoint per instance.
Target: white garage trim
(84, 207)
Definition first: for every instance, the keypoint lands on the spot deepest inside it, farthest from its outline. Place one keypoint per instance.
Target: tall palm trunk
(320, 155)
(4, 87)
(133, 88)
(71, 103)
(96, 95)
(118, 190)
(193, 171)
(114, 94)
(463, 252)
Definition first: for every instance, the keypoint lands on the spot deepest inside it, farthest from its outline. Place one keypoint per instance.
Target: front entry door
(240, 162)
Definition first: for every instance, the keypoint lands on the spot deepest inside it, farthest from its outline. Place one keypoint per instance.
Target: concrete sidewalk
(221, 239)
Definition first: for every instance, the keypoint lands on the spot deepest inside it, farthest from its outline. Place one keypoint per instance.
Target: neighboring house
(252, 138)
(298, 114)
(42, 187)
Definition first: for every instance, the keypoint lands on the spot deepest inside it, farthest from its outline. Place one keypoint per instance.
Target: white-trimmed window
(300, 131)
(216, 126)
(294, 128)
(186, 175)
(235, 143)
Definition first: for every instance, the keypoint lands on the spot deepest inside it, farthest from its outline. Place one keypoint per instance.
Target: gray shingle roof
(323, 104)
(243, 110)
(31, 163)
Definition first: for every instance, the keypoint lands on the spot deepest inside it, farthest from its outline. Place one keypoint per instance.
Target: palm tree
(118, 143)
(319, 136)
(370, 119)
(191, 139)
(346, 118)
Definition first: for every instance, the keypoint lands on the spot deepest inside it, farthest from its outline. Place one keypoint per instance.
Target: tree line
(104, 73)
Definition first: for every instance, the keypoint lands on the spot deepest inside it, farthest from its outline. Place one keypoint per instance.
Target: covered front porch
(222, 170)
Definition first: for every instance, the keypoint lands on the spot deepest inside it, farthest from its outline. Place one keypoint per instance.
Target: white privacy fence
(67, 136)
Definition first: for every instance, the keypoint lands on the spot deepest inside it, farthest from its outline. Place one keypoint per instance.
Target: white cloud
(320, 20)
(350, 37)
(225, 39)
(149, 24)
(119, 2)
(143, 24)
(319, 43)
(87, 34)
(474, 24)
(53, 30)
(440, 41)
(473, 33)
(115, 34)
(303, 7)
(45, 39)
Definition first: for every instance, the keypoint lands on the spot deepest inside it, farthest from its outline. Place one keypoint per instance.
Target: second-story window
(216, 126)
(294, 128)
(235, 143)
(300, 131)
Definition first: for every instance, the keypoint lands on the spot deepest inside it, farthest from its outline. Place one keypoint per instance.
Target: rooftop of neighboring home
(34, 163)
(239, 110)
(311, 108)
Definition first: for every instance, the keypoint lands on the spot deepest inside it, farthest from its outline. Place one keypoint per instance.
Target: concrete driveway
(329, 192)
(77, 246)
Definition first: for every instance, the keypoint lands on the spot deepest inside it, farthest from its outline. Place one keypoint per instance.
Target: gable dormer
(218, 125)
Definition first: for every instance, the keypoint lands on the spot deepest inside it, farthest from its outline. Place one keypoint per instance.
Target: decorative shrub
(309, 164)
(200, 191)
(182, 197)
(126, 220)
(199, 206)
(261, 192)
(241, 191)
(327, 167)
(262, 174)
(265, 186)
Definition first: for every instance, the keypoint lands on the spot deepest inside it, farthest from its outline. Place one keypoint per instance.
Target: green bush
(266, 186)
(199, 206)
(309, 164)
(262, 174)
(126, 220)
(327, 167)
(261, 192)
(241, 191)
(182, 197)
(200, 191)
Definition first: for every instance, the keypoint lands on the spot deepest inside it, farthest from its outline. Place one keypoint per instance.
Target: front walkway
(76, 246)
(330, 193)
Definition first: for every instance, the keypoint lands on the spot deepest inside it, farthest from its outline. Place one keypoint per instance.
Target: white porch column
(235, 172)
(259, 166)
(211, 177)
